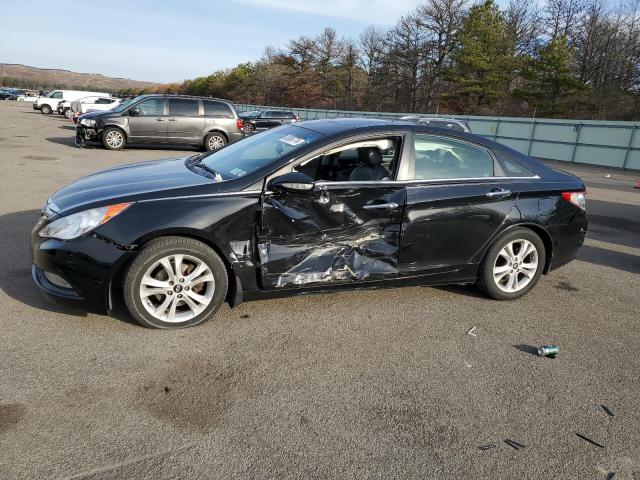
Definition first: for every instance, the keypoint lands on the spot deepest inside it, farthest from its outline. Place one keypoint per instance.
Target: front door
(150, 125)
(457, 199)
(343, 230)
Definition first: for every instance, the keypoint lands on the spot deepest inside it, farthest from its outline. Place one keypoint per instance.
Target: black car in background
(210, 123)
(323, 204)
(258, 120)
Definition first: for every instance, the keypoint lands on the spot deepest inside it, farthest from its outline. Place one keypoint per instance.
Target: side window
(56, 95)
(183, 107)
(514, 169)
(103, 101)
(151, 107)
(216, 109)
(440, 157)
(367, 160)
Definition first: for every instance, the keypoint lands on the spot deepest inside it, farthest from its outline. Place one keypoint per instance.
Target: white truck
(49, 104)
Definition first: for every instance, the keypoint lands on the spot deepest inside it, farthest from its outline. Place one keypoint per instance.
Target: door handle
(160, 119)
(498, 192)
(381, 206)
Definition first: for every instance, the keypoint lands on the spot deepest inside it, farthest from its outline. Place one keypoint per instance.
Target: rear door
(150, 125)
(184, 123)
(457, 199)
(340, 232)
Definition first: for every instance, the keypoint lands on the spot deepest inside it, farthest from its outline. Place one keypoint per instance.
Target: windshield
(123, 106)
(253, 153)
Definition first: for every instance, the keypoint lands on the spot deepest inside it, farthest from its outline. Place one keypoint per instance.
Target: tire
(191, 303)
(504, 273)
(215, 141)
(113, 138)
(249, 128)
(68, 113)
(46, 109)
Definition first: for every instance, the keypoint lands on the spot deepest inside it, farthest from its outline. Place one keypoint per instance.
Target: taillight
(577, 198)
(240, 124)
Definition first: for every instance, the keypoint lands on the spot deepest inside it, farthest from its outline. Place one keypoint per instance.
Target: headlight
(87, 122)
(72, 226)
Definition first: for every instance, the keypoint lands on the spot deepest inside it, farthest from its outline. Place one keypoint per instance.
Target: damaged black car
(326, 204)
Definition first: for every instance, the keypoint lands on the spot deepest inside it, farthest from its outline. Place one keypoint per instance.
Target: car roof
(166, 95)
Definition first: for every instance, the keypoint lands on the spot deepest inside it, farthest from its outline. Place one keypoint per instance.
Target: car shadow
(610, 258)
(15, 278)
(466, 290)
(67, 127)
(68, 141)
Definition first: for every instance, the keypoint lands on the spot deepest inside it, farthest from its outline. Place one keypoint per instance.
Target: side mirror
(133, 111)
(294, 182)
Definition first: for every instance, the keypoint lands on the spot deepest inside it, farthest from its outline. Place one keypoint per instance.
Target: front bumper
(36, 106)
(84, 133)
(88, 264)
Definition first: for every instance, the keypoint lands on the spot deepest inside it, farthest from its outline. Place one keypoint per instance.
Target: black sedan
(313, 206)
(259, 120)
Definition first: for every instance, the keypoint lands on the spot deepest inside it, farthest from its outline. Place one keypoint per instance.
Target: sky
(172, 40)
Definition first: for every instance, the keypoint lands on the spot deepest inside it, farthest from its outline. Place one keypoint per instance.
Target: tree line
(567, 59)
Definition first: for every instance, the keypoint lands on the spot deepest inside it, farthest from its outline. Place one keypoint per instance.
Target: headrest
(370, 156)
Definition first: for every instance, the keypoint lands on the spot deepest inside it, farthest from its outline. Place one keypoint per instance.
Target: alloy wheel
(114, 139)
(515, 266)
(216, 142)
(177, 288)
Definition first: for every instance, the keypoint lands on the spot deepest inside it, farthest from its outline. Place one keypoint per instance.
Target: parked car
(94, 104)
(326, 203)
(49, 104)
(454, 123)
(259, 120)
(27, 96)
(9, 94)
(211, 123)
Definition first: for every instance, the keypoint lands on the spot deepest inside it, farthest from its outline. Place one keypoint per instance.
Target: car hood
(127, 183)
(97, 113)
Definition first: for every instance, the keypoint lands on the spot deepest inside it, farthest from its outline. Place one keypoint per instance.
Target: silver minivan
(210, 123)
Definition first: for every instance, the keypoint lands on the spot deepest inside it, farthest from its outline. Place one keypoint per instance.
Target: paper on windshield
(292, 140)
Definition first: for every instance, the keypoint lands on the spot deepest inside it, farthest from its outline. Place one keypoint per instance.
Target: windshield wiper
(206, 168)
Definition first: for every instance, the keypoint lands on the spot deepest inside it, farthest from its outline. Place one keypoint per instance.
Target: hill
(33, 77)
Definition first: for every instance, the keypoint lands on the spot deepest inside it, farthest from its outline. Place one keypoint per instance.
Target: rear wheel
(214, 141)
(175, 282)
(113, 138)
(513, 265)
(46, 109)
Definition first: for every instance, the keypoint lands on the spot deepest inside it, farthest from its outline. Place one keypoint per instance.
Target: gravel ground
(363, 384)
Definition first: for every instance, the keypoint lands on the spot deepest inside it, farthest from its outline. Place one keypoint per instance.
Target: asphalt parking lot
(363, 384)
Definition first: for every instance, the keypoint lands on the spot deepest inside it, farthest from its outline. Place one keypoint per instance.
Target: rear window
(442, 158)
(514, 169)
(183, 107)
(216, 109)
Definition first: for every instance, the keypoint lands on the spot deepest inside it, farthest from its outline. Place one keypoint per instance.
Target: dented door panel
(334, 234)
(447, 227)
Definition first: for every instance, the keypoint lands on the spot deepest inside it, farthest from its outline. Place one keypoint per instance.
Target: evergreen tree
(483, 60)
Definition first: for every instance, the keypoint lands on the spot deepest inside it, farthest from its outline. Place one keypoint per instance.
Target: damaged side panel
(332, 234)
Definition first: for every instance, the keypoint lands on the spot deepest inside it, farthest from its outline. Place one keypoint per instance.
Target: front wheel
(513, 265)
(214, 141)
(46, 109)
(175, 282)
(68, 113)
(113, 138)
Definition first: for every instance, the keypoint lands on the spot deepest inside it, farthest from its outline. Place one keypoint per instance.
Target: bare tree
(441, 20)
